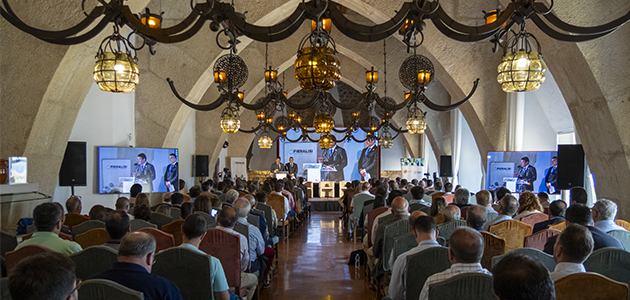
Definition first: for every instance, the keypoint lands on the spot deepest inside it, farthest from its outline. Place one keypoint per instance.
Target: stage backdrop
(503, 165)
(412, 168)
(238, 167)
(309, 152)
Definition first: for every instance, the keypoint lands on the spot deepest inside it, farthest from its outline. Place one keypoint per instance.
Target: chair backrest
(31, 228)
(8, 242)
(137, 224)
(93, 260)
(160, 219)
(534, 218)
(417, 206)
(244, 230)
(392, 231)
(590, 286)
(175, 228)
(445, 229)
(92, 237)
(268, 216)
(277, 204)
(535, 254)
(227, 248)
(433, 196)
(463, 210)
(14, 257)
(539, 239)
(254, 220)
(87, 225)
(163, 240)
(439, 219)
(514, 233)
(211, 222)
(491, 216)
(187, 269)
(623, 236)
(493, 246)
(359, 199)
(370, 220)
(624, 224)
(422, 265)
(176, 213)
(403, 244)
(558, 226)
(103, 289)
(4, 288)
(367, 207)
(463, 286)
(73, 219)
(611, 262)
(27, 236)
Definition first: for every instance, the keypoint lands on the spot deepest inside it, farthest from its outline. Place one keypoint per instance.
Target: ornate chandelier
(116, 70)
(522, 69)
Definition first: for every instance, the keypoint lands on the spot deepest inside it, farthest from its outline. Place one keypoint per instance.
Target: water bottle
(357, 260)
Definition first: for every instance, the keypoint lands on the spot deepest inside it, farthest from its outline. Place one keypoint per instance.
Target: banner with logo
(302, 153)
(238, 167)
(412, 168)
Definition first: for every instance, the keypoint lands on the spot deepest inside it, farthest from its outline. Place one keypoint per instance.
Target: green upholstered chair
(189, 270)
(103, 289)
(611, 262)
(87, 225)
(535, 254)
(93, 260)
(422, 265)
(623, 236)
(392, 231)
(463, 286)
(137, 224)
(445, 229)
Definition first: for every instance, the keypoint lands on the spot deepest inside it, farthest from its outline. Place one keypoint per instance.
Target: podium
(313, 171)
(281, 175)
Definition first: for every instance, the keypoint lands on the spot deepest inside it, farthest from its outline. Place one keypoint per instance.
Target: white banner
(238, 167)
(412, 168)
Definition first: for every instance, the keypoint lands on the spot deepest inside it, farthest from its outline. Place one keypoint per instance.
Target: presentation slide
(155, 169)
(345, 162)
(511, 170)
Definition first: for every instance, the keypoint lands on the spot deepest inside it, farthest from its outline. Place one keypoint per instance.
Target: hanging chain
(385, 66)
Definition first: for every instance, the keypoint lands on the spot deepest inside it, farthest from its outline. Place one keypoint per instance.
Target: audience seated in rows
(451, 212)
(604, 213)
(572, 248)
(122, 203)
(543, 198)
(134, 191)
(142, 212)
(45, 276)
(519, 277)
(400, 211)
(133, 269)
(417, 194)
(508, 205)
(557, 210)
(578, 195)
(476, 216)
(484, 198)
(527, 204)
(258, 253)
(141, 199)
(186, 210)
(48, 220)
(74, 206)
(465, 251)
(117, 225)
(461, 197)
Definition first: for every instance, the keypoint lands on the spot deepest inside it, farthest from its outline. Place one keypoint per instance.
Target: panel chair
(535, 254)
(137, 224)
(74, 219)
(87, 225)
(463, 211)
(210, 220)
(92, 237)
(624, 224)
(534, 218)
(514, 233)
(163, 240)
(422, 265)
(14, 257)
(418, 206)
(402, 244)
(326, 189)
(227, 248)
(623, 236)
(277, 204)
(254, 220)
(446, 229)
(370, 221)
(93, 260)
(493, 246)
(160, 219)
(463, 286)
(175, 228)
(244, 230)
(176, 213)
(187, 269)
(392, 231)
(558, 226)
(539, 239)
(433, 196)
(357, 209)
(103, 289)
(611, 262)
(268, 216)
(590, 286)
(8, 242)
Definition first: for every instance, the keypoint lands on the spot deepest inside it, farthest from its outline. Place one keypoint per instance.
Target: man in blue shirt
(133, 269)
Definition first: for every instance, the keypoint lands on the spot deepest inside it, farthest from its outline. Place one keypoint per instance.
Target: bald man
(451, 212)
(400, 211)
(476, 216)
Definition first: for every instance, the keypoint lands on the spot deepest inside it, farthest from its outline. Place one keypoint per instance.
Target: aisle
(313, 264)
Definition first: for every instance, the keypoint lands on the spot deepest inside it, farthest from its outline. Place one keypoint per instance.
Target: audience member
(572, 248)
(461, 197)
(164, 209)
(501, 192)
(48, 219)
(380, 198)
(177, 199)
(278, 191)
(556, 215)
(451, 212)
(261, 197)
(135, 259)
(122, 203)
(45, 276)
(203, 204)
(74, 206)
(134, 191)
(604, 213)
(581, 214)
(231, 196)
(578, 195)
(465, 251)
(400, 211)
(543, 198)
(194, 192)
(476, 216)
(142, 198)
(437, 206)
(508, 205)
(186, 210)
(527, 204)
(484, 199)
(142, 212)
(425, 233)
(519, 277)
(117, 225)
(206, 189)
(417, 194)
(259, 255)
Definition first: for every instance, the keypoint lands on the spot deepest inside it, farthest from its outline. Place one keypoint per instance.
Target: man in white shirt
(417, 195)
(484, 199)
(465, 251)
(256, 241)
(604, 213)
(425, 232)
(572, 248)
(508, 206)
(278, 191)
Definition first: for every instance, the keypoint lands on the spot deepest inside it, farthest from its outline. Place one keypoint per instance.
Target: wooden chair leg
(354, 232)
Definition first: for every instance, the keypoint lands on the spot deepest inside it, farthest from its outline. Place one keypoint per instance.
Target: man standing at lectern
(277, 166)
(368, 162)
(335, 157)
(144, 173)
(526, 175)
(292, 168)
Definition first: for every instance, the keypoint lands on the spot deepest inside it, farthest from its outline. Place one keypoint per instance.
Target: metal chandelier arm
(254, 130)
(272, 33)
(473, 30)
(255, 106)
(398, 130)
(578, 30)
(437, 107)
(387, 106)
(563, 36)
(82, 38)
(173, 34)
(365, 33)
(301, 106)
(447, 31)
(206, 107)
(345, 106)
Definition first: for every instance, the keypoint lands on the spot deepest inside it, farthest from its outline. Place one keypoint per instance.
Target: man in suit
(557, 210)
(292, 168)
(171, 178)
(335, 157)
(526, 175)
(277, 166)
(144, 173)
(551, 177)
(368, 162)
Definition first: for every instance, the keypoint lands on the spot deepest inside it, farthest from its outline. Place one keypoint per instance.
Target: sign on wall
(412, 168)
(238, 167)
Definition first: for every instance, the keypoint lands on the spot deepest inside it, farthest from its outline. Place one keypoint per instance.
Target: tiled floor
(314, 264)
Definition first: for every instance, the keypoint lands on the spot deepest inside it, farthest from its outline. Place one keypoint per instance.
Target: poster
(238, 167)
(412, 168)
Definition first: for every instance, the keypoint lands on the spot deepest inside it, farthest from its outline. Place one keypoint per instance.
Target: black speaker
(446, 168)
(201, 165)
(73, 171)
(571, 166)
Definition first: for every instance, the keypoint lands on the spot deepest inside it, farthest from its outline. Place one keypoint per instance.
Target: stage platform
(324, 204)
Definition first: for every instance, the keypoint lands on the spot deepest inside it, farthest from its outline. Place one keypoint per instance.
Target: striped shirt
(455, 270)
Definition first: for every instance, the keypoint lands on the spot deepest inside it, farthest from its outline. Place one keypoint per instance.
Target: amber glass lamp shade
(240, 96)
(408, 95)
(371, 76)
(292, 115)
(265, 142)
(317, 67)
(284, 92)
(355, 115)
(403, 29)
(326, 24)
(386, 141)
(298, 119)
(521, 71)
(260, 116)
(424, 76)
(271, 75)
(152, 20)
(116, 72)
(324, 123)
(220, 75)
(325, 141)
(492, 17)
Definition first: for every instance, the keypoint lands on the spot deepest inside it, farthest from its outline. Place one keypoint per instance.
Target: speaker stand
(72, 189)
